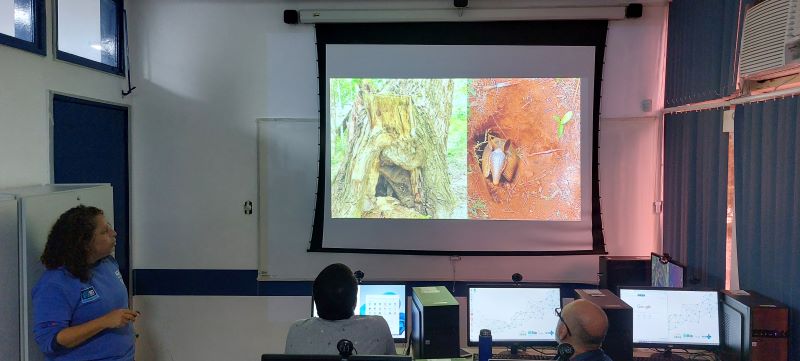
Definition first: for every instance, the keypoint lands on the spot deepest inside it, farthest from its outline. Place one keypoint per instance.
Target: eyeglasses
(558, 313)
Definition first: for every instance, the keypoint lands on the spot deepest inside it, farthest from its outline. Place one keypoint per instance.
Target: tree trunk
(398, 150)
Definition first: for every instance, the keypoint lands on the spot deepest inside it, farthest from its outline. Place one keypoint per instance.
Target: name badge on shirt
(89, 294)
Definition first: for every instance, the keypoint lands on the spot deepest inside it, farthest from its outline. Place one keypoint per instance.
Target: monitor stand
(667, 355)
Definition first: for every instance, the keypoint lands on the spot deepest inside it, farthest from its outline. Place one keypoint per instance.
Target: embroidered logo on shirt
(89, 294)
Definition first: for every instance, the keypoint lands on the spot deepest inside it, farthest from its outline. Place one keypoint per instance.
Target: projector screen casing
(584, 39)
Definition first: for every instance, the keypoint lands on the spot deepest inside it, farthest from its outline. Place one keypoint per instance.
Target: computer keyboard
(673, 358)
(520, 356)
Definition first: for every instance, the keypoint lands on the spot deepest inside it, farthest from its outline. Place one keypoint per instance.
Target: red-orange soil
(547, 182)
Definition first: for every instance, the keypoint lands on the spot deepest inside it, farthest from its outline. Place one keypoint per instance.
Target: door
(90, 145)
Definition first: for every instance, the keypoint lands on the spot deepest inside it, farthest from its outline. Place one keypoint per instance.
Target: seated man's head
(335, 292)
(583, 325)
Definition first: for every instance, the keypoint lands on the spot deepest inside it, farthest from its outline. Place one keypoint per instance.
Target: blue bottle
(485, 345)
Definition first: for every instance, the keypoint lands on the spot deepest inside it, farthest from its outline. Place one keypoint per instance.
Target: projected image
(455, 148)
(524, 137)
(398, 148)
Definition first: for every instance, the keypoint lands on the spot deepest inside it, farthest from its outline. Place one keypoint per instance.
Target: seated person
(583, 325)
(335, 292)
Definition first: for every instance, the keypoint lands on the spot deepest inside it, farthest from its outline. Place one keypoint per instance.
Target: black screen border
(553, 33)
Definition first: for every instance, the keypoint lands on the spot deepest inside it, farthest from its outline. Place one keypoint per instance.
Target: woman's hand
(119, 318)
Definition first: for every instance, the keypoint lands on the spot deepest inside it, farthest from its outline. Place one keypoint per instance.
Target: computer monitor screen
(665, 272)
(515, 315)
(665, 317)
(388, 301)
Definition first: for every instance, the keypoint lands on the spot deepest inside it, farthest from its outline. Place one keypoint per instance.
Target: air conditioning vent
(770, 40)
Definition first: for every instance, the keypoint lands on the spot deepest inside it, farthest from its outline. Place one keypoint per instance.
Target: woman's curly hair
(69, 241)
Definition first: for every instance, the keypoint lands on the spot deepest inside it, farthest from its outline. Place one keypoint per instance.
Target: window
(89, 33)
(731, 265)
(22, 25)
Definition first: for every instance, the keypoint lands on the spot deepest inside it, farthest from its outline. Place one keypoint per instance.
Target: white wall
(207, 69)
(25, 82)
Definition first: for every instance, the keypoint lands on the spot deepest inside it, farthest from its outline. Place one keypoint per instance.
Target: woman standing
(80, 304)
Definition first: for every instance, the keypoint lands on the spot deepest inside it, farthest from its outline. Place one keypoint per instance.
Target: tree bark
(399, 150)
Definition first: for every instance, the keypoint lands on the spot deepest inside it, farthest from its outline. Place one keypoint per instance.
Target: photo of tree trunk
(389, 149)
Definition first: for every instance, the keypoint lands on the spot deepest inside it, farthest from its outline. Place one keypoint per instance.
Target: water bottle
(485, 345)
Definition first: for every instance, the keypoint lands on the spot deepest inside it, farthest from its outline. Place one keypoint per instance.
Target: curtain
(695, 189)
(701, 50)
(767, 155)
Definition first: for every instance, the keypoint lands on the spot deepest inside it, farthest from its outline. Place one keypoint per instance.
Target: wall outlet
(647, 105)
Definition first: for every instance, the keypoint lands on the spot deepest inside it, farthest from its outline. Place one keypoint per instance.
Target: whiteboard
(288, 155)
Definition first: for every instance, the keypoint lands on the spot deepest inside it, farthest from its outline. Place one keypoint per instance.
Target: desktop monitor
(386, 300)
(672, 318)
(666, 272)
(516, 315)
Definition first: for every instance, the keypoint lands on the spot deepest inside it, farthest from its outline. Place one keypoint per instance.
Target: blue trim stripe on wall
(207, 282)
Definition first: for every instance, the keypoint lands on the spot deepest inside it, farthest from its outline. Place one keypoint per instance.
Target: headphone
(345, 348)
(564, 351)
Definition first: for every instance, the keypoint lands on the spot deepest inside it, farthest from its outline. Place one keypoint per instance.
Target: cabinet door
(9, 280)
(39, 213)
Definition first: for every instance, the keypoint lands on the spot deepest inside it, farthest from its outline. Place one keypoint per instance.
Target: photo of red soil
(516, 123)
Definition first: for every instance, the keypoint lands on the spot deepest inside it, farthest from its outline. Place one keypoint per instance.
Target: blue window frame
(23, 25)
(90, 33)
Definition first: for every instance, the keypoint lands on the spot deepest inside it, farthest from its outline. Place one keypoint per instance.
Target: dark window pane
(108, 32)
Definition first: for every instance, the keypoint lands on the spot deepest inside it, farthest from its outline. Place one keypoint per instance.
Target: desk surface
(637, 352)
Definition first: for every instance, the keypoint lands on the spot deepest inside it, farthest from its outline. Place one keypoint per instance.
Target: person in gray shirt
(335, 292)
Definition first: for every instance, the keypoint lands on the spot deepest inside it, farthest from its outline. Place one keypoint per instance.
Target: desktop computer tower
(619, 339)
(623, 271)
(434, 323)
(754, 328)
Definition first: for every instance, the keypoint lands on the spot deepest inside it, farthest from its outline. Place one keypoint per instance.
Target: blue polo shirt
(61, 300)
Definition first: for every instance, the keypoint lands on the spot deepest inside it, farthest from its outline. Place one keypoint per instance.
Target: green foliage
(562, 122)
(478, 209)
(457, 134)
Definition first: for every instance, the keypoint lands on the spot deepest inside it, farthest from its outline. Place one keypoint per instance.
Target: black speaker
(633, 11)
(623, 271)
(618, 344)
(291, 16)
